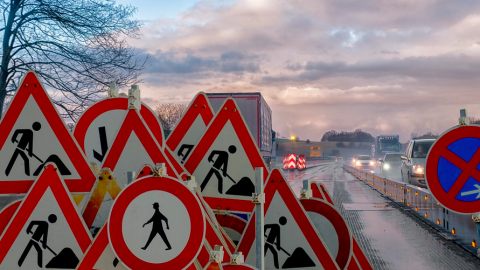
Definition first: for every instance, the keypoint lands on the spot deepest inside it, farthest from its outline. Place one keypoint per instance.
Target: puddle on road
(366, 206)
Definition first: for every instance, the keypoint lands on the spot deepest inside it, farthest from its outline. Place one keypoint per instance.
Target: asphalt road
(391, 238)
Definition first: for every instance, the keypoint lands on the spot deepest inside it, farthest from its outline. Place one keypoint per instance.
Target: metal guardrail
(420, 202)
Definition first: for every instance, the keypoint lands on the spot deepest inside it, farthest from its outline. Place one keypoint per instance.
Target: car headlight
(418, 169)
(353, 160)
(386, 166)
(372, 163)
(358, 163)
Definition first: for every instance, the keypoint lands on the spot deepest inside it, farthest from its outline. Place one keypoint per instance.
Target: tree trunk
(6, 57)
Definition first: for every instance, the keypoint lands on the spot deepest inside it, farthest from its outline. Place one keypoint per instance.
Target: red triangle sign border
(133, 123)
(227, 112)
(277, 183)
(31, 86)
(49, 178)
(199, 106)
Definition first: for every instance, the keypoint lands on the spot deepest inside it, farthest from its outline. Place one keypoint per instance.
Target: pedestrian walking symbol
(157, 227)
(453, 171)
(156, 223)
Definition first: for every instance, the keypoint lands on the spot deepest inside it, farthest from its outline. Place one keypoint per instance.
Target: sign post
(259, 218)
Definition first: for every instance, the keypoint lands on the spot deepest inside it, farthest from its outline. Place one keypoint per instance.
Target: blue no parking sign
(453, 169)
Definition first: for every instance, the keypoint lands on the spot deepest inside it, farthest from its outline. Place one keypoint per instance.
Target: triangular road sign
(33, 134)
(134, 146)
(97, 126)
(98, 201)
(8, 212)
(59, 237)
(190, 128)
(100, 254)
(146, 170)
(224, 161)
(291, 239)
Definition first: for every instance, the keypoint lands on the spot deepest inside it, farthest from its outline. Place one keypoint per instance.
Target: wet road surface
(391, 239)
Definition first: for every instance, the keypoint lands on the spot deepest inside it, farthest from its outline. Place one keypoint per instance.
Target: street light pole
(292, 138)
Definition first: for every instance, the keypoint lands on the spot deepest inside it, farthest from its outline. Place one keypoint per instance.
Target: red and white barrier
(301, 165)
(291, 162)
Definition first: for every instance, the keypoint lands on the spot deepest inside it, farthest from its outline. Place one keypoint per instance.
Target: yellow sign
(315, 151)
(105, 183)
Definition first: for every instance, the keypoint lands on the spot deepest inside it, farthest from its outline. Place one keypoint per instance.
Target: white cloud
(398, 66)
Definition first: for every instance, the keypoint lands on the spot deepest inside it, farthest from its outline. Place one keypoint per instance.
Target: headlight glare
(418, 169)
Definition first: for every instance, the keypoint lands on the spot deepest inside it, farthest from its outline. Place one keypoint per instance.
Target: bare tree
(76, 46)
(473, 120)
(169, 114)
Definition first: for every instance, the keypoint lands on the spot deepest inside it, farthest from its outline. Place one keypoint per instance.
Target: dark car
(391, 164)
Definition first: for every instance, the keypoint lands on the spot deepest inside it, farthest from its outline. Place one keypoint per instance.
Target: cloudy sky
(396, 66)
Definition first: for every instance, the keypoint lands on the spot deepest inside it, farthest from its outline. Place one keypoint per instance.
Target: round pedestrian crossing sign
(156, 223)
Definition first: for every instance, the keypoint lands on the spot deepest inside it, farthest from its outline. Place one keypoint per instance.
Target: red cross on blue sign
(453, 169)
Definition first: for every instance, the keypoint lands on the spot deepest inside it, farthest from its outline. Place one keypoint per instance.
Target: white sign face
(108, 261)
(285, 244)
(156, 223)
(190, 139)
(234, 235)
(45, 233)
(225, 171)
(156, 226)
(133, 156)
(327, 232)
(101, 133)
(30, 145)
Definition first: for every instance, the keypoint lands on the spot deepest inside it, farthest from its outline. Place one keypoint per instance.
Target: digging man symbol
(273, 238)
(25, 144)
(298, 259)
(157, 227)
(25, 147)
(220, 164)
(40, 235)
